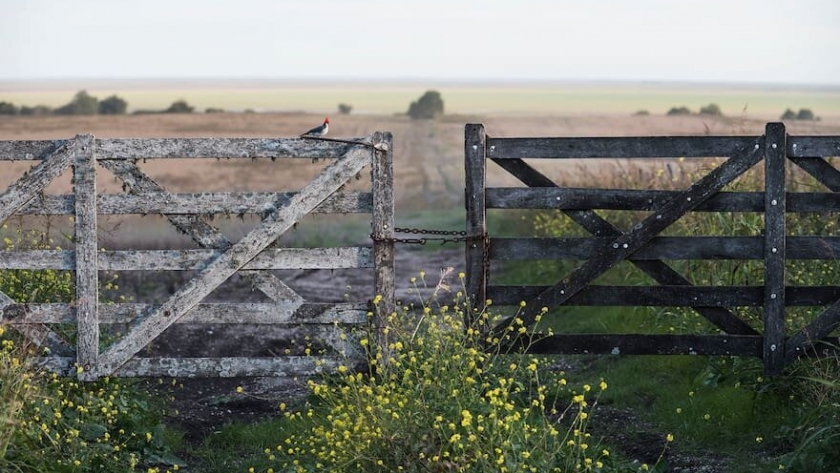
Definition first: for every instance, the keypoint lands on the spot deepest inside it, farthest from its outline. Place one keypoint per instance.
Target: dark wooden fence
(216, 259)
(645, 249)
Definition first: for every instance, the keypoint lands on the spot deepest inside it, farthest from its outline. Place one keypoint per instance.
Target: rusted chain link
(446, 236)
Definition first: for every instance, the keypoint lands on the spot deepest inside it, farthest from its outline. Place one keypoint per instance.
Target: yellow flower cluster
(441, 397)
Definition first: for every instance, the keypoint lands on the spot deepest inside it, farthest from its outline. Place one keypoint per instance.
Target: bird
(319, 130)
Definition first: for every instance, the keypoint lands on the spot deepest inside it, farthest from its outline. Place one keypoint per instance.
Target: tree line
(85, 104)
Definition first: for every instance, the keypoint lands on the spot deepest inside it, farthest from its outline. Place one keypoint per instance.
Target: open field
(428, 154)
(387, 98)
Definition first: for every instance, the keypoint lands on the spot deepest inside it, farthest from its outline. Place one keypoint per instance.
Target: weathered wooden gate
(642, 246)
(217, 259)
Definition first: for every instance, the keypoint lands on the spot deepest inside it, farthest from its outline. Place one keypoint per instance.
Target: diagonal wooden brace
(626, 244)
(598, 226)
(144, 331)
(198, 229)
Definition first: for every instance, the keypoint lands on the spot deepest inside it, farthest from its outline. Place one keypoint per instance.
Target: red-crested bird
(319, 130)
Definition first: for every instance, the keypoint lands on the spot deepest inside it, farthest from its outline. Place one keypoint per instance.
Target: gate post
(382, 227)
(87, 266)
(475, 162)
(775, 155)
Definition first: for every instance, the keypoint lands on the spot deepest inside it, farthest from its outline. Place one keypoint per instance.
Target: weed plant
(50, 423)
(444, 396)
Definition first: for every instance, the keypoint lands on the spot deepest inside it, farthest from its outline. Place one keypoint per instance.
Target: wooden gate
(216, 260)
(645, 249)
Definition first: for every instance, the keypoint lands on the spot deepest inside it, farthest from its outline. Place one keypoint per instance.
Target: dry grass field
(428, 154)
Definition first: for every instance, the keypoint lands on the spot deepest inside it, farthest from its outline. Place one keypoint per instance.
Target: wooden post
(87, 280)
(774, 248)
(382, 226)
(475, 162)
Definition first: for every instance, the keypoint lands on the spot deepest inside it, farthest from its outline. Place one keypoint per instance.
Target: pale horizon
(751, 42)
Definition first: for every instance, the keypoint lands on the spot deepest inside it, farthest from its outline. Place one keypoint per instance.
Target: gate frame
(775, 147)
(216, 262)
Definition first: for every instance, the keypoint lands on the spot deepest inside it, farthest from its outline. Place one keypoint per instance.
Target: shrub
(679, 111)
(445, 397)
(179, 106)
(82, 104)
(788, 115)
(805, 114)
(642, 113)
(8, 108)
(429, 106)
(53, 424)
(345, 109)
(37, 110)
(711, 109)
(113, 105)
(214, 110)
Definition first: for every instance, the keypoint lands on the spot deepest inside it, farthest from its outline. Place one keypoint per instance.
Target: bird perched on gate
(319, 130)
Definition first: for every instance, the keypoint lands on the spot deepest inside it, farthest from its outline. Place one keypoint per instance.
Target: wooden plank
(36, 179)
(649, 296)
(476, 253)
(209, 203)
(236, 203)
(187, 260)
(597, 226)
(275, 313)
(647, 200)
(86, 241)
(29, 150)
(382, 233)
(227, 148)
(664, 248)
(596, 344)
(813, 146)
(704, 297)
(774, 248)
(625, 245)
(229, 367)
(327, 182)
(622, 147)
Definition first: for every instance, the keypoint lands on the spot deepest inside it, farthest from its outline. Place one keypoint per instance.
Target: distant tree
(711, 109)
(179, 106)
(214, 110)
(82, 104)
(113, 105)
(789, 115)
(679, 111)
(345, 109)
(8, 108)
(249, 110)
(642, 113)
(430, 105)
(805, 114)
(37, 110)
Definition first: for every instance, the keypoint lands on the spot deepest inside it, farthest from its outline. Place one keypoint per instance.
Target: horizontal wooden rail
(279, 313)
(189, 260)
(186, 148)
(647, 200)
(669, 296)
(665, 248)
(226, 367)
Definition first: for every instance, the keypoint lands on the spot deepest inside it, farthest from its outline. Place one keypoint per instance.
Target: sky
(733, 41)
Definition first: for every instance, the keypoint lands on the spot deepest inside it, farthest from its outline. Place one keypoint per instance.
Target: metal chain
(449, 236)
